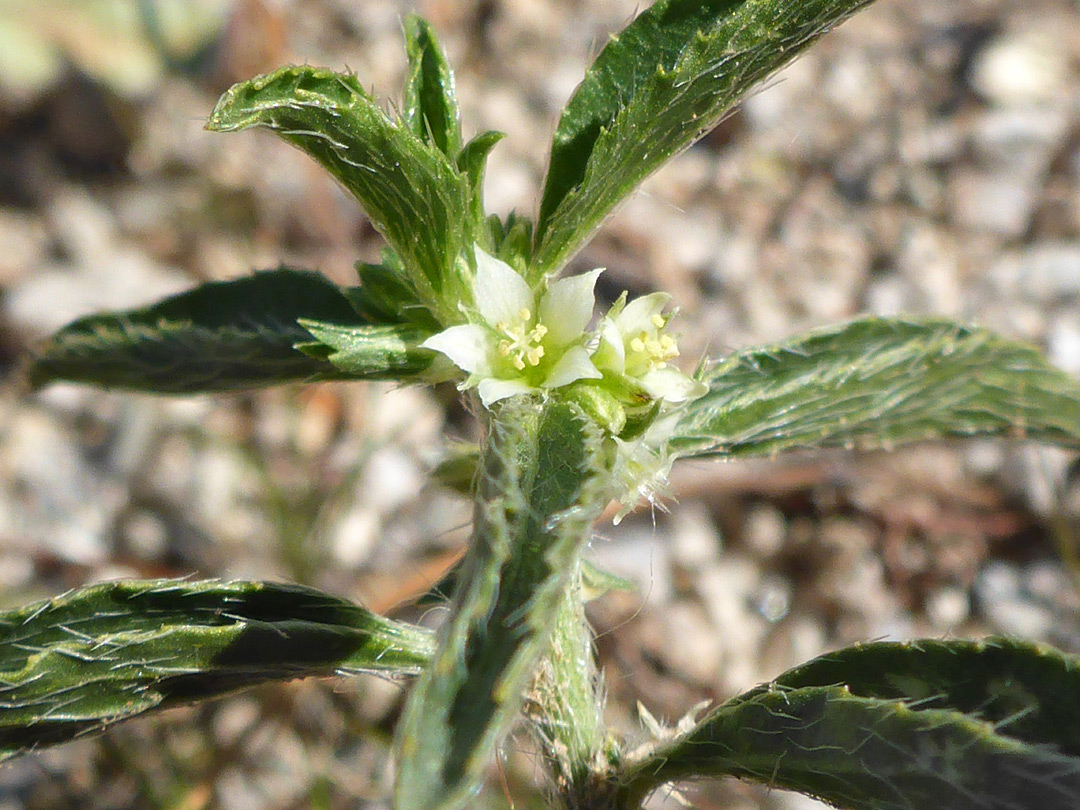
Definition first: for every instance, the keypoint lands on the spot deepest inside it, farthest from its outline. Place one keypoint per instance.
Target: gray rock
(1041, 272)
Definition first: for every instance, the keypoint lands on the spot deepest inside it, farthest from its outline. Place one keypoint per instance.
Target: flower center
(521, 343)
(652, 347)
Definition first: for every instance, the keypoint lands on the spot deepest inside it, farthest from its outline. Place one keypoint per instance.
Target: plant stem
(544, 479)
(566, 710)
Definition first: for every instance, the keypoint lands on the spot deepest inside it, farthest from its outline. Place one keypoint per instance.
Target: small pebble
(1027, 67)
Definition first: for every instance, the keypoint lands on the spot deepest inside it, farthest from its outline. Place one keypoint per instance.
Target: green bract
(578, 407)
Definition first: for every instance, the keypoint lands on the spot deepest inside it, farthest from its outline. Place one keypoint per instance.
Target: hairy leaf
(655, 88)
(875, 383)
(953, 725)
(431, 108)
(105, 653)
(221, 336)
(412, 192)
(1028, 691)
(539, 491)
(472, 161)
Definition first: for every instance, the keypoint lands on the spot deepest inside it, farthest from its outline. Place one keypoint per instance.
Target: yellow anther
(521, 344)
(637, 345)
(658, 320)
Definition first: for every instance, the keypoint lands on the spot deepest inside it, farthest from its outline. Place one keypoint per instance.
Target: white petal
(469, 346)
(637, 317)
(500, 292)
(574, 365)
(671, 384)
(492, 390)
(610, 354)
(567, 307)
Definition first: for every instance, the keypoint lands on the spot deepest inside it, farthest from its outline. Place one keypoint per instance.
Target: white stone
(1022, 68)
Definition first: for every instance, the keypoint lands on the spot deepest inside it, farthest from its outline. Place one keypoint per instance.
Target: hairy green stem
(566, 711)
(544, 478)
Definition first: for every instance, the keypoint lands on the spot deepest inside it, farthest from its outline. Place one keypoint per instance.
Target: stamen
(522, 345)
(653, 348)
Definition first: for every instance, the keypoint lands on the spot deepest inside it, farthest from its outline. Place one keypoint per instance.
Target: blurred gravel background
(923, 158)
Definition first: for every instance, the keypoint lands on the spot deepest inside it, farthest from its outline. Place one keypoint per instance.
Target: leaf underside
(876, 383)
(221, 336)
(955, 725)
(657, 87)
(105, 653)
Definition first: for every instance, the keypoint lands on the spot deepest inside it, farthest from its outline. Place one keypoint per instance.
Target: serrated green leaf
(539, 490)
(430, 104)
(657, 87)
(221, 336)
(1028, 691)
(369, 352)
(877, 382)
(954, 725)
(105, 653)
(412, 192)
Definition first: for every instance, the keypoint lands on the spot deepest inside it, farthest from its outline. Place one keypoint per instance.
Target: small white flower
(634, 345)
(515, 344)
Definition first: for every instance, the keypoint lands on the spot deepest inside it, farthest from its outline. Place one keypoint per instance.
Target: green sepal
(430, 102)
(369, 352)
(639, 419)
(105, 653)
(221, 336)
(655, 88)
(411, 191)
(955, 725)
(600, 404)
(877, 382)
